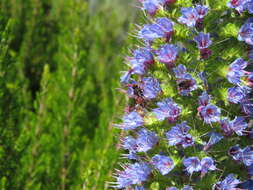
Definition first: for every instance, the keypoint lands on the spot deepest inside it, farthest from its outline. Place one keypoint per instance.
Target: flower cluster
(156, 138)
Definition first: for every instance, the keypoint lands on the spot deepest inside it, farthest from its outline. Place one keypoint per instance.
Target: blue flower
(163, 28)
(163, 163)
(243, 155)
(178, 135)
(207, 164)
(214, 138)
(139, 188)
(236, 71)
(201, 10)
(203, 40)
(189, 16)
(167, 109)
(167, 27)
(250, 170)
(236, 126)
(239, 5)
(131, 121)
(150, 32)
(246, 32)
(229, 183)
(209, 113)
(204, 99)
(167, 54)
(185, 82)
(132, 174)
(192, 164)
(129, 143)
(125, 77)
(247, 107)
(151, 87)
(171, 188)
(151, 6)
(137, 67)
(144, 56)
(237, 94)
(249, 6)
(146, 140)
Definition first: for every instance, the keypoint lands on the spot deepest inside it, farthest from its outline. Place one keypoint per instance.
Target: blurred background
(60, 62)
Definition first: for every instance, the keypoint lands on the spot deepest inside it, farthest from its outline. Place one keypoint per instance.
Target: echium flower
(151, 87)
(163, 163)
(146, 140)
(244, 155)
(203, 42)
(238, 125)
(143, 56)
(163, 28)
(214, 138)
(193, 164)
(209, 113)
(204, 99)
(152, 6)
(238, 5)
(236, 71)
(247, 106)
(178, 135)
(229, 183)
(167, 109)
(185, 82)
(132, 174)
(237, 94)
(193, 16)
(246, 32)
(131, 121)
(167, 54)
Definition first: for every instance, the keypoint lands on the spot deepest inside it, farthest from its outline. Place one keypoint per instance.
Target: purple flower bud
(236, 126)
(151, 87)
(237, 4)
(186, 83)
(246, 33)
(236, 71)
(189, 16)
(144, 56)
(146, 140)
(237, 94)
(167, 54)
(192, 164)
(163, 163)
(204, 99)
(203, 40)
(207, 164)
(132, 174)
(178, 135)
(209, 113)
(229, 183)
(167, 108)
(131, 121)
